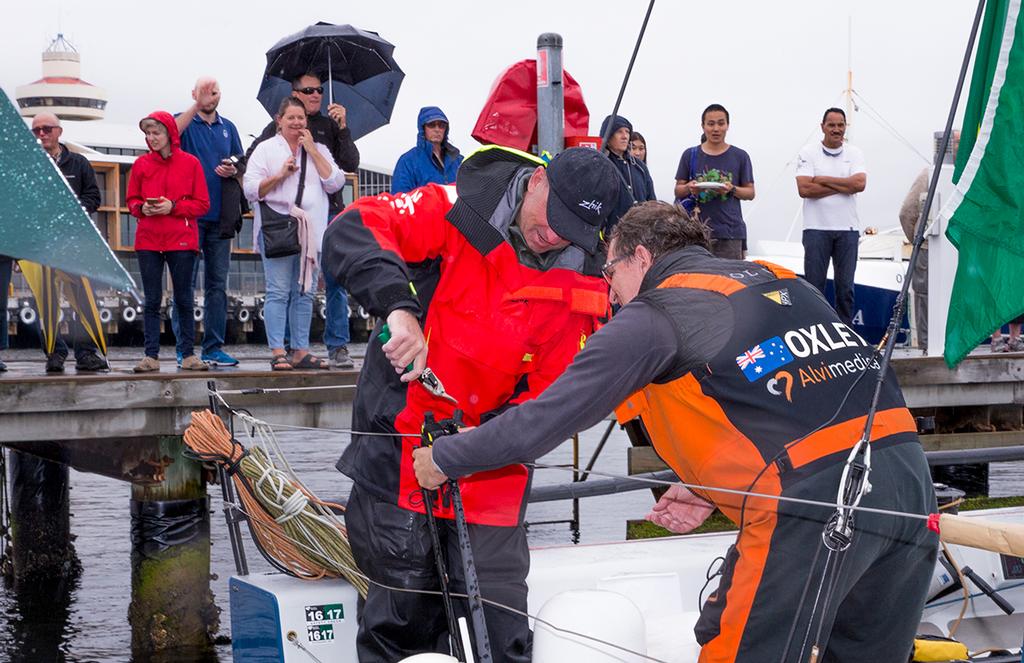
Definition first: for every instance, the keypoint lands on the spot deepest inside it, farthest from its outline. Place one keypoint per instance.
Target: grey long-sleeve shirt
(637, 346)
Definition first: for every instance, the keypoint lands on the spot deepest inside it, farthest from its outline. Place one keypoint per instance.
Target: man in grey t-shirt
(717, 176)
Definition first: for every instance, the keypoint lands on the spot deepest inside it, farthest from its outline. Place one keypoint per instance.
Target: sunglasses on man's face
(45, 129)
(310, 90)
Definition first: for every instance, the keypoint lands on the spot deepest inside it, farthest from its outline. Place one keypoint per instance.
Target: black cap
(584, 190)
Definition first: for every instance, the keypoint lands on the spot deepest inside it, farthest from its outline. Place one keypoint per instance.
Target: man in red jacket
(505, 281)
(167, 193)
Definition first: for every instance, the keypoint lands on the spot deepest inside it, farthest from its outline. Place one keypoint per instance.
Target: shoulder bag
(281, 231)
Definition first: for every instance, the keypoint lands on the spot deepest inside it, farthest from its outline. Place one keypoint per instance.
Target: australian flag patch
(763, 358)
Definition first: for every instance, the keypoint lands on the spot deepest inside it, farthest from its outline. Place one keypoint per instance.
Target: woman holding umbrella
(291, 174)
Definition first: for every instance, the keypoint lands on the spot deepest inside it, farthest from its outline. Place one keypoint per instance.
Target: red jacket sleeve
(133, 196)
(367, 247)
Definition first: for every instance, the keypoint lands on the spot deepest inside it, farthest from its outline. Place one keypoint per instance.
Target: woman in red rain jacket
(167, 193)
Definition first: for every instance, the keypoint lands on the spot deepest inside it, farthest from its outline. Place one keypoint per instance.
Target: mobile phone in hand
(152, 201)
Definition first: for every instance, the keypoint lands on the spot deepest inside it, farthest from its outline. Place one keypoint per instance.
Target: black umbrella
(356, 66)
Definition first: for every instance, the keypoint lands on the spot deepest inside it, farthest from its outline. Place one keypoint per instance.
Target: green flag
(986, 212)
(40, 217)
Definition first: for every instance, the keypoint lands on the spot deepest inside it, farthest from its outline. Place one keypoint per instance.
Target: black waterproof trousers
(869, 604)
(393, 547)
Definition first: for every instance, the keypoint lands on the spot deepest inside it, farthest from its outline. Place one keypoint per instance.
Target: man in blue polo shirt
(212, 139)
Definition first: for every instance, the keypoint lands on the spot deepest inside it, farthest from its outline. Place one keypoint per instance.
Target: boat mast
(849, 74)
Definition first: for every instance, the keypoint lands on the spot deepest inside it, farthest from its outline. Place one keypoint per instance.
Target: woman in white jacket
(272, 177)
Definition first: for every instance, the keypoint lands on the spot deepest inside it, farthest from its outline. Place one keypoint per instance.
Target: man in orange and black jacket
(502, 285)
(745, 379)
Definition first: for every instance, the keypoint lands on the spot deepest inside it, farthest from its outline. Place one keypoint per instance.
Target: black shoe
(54, 363)
(91, 362)
(341, 359)
(3, 367)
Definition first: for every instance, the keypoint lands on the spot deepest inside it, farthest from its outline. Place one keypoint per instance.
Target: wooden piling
(172, 607)
(40, 522)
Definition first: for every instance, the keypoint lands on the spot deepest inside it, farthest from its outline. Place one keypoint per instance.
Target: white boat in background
(881, 267)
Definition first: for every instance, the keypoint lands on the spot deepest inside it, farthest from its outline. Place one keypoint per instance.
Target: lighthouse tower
(60, 90)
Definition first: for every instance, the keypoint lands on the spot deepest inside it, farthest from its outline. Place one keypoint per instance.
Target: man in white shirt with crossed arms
(829, 175)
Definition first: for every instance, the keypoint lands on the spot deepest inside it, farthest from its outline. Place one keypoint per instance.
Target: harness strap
(841, 437)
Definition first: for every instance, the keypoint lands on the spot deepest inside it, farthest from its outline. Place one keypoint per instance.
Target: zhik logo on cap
(592, 205)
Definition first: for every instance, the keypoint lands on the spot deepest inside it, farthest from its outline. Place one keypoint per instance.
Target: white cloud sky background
(775, 66)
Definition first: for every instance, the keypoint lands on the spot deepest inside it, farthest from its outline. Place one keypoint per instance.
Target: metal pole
(919, 231)
(232, 516)
(442, 573)
(854, 484)
(598, 450)
(550, 95)
(625, 80)
(427, 432)
(476, 604)
(330, 88)
(574, 524)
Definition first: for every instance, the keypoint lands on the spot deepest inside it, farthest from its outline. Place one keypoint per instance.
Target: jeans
(5, 287)
(841, 247)
(151, 267)
(216, 259)
(284, 305)
(730, 249)
(336, 332)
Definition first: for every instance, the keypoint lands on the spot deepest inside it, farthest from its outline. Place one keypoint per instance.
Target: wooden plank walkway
(35, 406)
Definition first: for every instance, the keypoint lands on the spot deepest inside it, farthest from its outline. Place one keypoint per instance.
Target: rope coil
(294, 528)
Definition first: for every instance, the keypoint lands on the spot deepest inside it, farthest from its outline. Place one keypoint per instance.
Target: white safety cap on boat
(608, 616)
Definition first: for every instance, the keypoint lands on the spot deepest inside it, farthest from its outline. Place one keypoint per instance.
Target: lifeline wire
(351, 570)
(736, 491)
(279, 390)
(248, 417)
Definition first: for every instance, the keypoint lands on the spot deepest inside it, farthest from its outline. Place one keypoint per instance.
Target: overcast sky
(775, 66)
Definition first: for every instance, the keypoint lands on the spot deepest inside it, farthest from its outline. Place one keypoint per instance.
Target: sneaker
(194, 363)
(91, 362)
(999, 345)
(147, 365)
(341, 359)
(3, 367)
(179, 357)
(1016, 345)
(54, 363)
(219, 358)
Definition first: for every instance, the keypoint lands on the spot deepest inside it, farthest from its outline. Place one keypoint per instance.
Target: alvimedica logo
(825, 371)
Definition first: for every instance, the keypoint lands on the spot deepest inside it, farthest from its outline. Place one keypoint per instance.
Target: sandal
(309, 361)
(280, 363)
